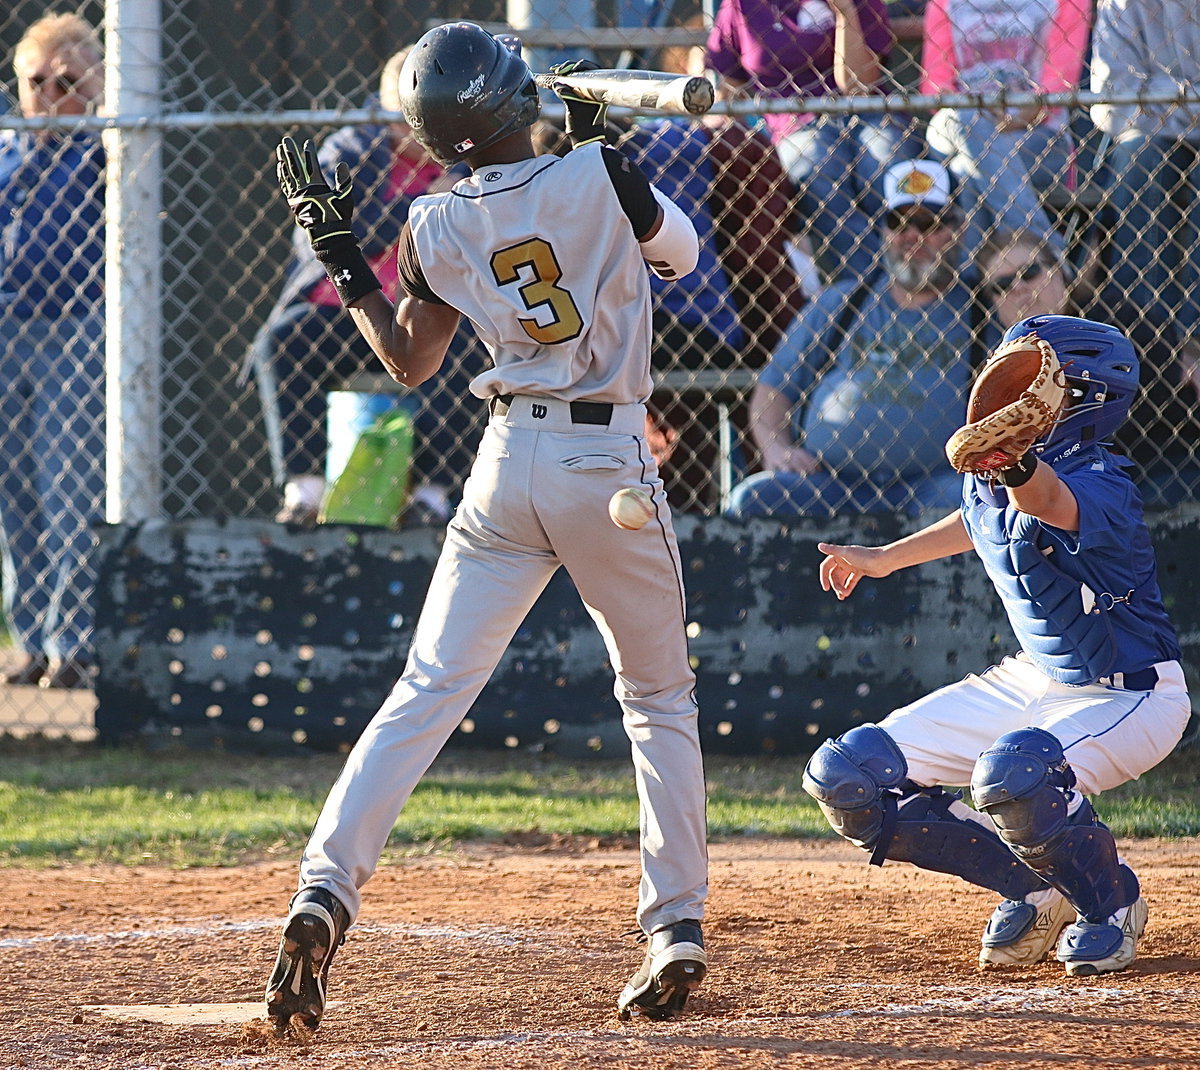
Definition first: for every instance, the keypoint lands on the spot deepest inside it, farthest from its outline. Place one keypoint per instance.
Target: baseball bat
(673, 94)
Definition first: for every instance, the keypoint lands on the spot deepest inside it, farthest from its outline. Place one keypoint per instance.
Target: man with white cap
(854, 408)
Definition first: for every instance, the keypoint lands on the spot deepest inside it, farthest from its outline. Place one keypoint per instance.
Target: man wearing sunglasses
(52, 354)
(852, 411)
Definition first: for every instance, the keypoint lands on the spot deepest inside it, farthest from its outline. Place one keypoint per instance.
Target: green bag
(373, 488)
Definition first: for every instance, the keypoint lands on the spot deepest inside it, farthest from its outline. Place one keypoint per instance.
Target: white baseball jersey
(564, 302)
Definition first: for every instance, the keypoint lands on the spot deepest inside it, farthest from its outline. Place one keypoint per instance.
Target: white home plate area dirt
(502, 956)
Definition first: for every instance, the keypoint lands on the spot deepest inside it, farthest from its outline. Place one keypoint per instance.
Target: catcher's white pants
(1109, 735)
(538, 497)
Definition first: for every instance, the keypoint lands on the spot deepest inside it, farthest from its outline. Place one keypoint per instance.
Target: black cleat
(674, 966)
(315, 929)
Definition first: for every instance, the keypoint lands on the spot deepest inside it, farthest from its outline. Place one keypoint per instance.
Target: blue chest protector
(1082, 606)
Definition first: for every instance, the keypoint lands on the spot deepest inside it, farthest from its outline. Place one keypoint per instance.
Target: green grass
(63, 802)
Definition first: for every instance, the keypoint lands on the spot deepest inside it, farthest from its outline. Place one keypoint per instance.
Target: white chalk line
(488, 934)
(166, 933)
(502, 936)
(1004, 998)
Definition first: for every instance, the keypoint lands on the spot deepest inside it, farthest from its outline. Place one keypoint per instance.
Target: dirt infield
(511, 957)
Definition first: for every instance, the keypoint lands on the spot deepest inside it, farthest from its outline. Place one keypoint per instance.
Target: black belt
(582, 412)
(1142, 680)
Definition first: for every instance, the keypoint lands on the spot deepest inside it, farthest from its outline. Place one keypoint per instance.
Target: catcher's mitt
(1014, 402)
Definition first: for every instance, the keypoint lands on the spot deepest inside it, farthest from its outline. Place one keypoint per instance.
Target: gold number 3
(540, 291)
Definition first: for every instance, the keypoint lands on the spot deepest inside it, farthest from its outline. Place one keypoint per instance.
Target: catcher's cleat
(1022, 932)
(315, 929)
(1088, 948)
(673, 968)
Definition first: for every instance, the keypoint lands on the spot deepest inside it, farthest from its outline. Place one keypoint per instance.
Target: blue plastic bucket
(350, 413)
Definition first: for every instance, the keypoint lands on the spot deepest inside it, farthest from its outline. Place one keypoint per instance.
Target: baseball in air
(630, 508)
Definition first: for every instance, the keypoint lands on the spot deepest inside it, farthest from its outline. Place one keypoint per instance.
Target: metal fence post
(133, 262)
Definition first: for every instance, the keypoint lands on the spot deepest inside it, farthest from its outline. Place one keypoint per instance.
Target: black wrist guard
(347, 269)
(1019, 474)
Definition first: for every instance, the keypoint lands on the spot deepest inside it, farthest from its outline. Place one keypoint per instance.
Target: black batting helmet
(461, 89)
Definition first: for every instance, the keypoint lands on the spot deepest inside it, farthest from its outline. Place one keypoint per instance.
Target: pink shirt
(979, 46)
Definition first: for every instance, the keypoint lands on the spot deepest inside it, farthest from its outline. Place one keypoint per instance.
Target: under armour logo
(539, 411)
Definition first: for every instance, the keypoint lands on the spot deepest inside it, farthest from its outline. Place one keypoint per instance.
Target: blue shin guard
(1023, 782)
(860, 782)
(854, 779)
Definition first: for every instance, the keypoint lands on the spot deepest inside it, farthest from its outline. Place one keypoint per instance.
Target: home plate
(184, 1013)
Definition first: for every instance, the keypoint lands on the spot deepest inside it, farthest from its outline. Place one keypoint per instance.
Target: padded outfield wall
(246, 633)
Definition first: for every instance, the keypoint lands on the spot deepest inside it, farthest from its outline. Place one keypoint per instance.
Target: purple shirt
(784, 48)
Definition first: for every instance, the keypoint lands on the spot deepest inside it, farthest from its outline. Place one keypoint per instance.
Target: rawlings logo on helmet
(474, 89)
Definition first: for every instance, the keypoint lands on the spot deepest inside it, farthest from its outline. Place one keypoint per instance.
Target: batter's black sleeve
(633, 190)
(408, 267)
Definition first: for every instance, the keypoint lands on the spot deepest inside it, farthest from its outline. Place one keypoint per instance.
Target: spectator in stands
(854, 409)
(310, 345)
(52, 354)
(1021, 279)
(785, 48)
(729, 312)
(1006, 155)
(1152, 251)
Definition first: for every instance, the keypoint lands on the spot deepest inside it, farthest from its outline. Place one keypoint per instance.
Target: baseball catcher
(1094, 696)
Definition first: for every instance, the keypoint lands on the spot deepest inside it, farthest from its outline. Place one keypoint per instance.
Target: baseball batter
(1094, 698)
(547, 258)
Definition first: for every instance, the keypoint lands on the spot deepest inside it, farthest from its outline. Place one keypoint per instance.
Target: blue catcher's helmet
(1101, 368)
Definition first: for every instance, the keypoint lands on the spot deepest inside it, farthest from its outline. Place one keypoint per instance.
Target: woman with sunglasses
(1020, 279)
(52, 354)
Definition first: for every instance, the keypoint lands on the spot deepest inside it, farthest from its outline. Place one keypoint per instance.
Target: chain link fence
(869, 313)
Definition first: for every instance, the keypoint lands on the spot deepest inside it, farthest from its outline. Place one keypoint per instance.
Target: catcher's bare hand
(844, 566)
(1014, 402)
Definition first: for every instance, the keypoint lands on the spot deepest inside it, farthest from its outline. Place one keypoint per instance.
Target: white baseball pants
(538, 497)
(1109, 735)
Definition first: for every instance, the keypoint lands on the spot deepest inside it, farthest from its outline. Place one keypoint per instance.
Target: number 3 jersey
(542, 256)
